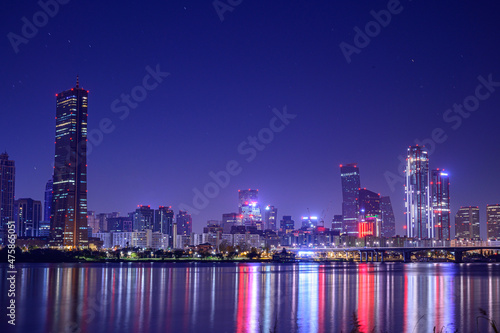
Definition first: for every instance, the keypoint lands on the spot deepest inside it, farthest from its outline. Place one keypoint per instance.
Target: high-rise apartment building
(164, 223)
(440, 204)
(493, 221)
(144, 218)
(467, 223)
(68, 224)
(184, 223)
(418, 222)
(388, 220)
(351, 183)
(7, 191)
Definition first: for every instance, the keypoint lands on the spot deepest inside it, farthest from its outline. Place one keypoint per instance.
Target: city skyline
(310, 147)
(246, 197)
(250, 166)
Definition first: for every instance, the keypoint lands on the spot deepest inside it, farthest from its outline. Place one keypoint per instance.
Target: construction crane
(324, 212)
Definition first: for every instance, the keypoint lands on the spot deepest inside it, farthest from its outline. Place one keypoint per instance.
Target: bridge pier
(458, 256)
(407, 256)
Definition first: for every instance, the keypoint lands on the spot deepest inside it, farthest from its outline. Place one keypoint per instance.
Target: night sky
(226, 77)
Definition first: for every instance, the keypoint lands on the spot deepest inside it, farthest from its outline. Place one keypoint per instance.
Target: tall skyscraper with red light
(68, 220)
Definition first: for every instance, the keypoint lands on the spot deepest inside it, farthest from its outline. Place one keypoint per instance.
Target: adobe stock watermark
(221, 7)
(127, 102)
(372, 29)
(453, 116)
(248, 148)
(120, 106)
(40, 19)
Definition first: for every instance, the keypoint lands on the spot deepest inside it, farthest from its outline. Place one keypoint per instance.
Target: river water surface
(253, 297)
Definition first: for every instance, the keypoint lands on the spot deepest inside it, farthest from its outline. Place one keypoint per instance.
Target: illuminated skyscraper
(7, 189)
(144, 218)
(418, 222)
(249, 208)
(370, 214)
(184, 223)
(388, 220)
(467, 223)
(68, 221)
(28, 214)
(270, 217)
(349, 174)
(164, 223)
(440, 204)
(493, 221)
(369, 203)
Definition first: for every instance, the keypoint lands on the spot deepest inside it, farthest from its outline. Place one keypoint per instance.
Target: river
(253, 297)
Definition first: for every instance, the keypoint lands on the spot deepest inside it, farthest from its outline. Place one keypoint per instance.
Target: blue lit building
(440, 204)
(417, 201)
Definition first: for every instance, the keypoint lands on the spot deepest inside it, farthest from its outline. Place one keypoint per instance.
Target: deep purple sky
(225, 79)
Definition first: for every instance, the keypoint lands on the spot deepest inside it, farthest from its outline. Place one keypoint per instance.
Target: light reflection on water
(306, 297)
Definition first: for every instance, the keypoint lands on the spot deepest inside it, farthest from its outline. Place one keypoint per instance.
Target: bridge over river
(377, 253)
